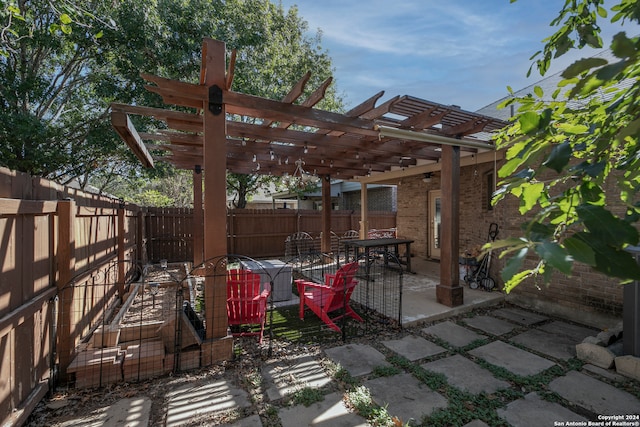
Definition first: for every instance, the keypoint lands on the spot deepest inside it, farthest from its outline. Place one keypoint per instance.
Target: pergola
(240, 133)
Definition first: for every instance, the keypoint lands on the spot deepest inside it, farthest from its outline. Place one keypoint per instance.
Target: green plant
(343, 376)
(385, 371)
(434, 380)
(307, 396)
(360, 399)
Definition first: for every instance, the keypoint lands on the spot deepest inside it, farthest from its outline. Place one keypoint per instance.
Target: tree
(64, 66)
(572, 157)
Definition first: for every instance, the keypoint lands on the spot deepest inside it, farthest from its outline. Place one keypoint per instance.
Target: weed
(360, 399)
(342, 375)
(475, 344)
(307, 396)
(385, 371)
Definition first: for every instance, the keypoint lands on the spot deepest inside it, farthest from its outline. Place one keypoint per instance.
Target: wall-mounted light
(427, 177)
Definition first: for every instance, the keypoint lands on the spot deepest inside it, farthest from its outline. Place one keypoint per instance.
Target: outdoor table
(276, 271)
(366, 245)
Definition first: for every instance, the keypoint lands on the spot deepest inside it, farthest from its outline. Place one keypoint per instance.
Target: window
(490, 185)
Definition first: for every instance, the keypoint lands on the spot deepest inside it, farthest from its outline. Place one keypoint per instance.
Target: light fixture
(306, 148)
(427, 177)
(300, 177)
(255, 158)
(272, 156)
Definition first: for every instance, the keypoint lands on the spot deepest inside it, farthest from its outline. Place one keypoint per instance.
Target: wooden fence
(51, 236)
(257, 233)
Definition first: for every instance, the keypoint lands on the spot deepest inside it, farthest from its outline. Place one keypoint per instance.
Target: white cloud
(459, 51)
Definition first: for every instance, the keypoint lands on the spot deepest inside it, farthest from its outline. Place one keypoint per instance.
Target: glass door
(435, 219)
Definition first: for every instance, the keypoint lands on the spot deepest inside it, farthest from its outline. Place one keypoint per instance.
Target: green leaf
(592, 193)
(514, 264)
(580, 251)
(538, 91)
(538, 231)
(559, 157)
(65, 19)
(614, 262)
(611, 71)
(556, 256)
(631, 129)
(529, 122)
(505, 243)
(574, 129)
(622, 47)
(530, 195)
(605, 227)
(582, 65)
(602, 12)
(592, 170)
(516, 280)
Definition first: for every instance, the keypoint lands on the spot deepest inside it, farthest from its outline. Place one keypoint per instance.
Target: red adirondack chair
(246, 304)
(331, 296)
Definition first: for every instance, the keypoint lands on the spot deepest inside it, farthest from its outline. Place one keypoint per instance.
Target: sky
(459, 52)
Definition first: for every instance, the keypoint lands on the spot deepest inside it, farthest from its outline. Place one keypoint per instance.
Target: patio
(486, 367)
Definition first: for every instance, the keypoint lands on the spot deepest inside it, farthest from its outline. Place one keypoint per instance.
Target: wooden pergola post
(364, 211)
(198, 234)
(325, 243)
(215, 215)
(448, 291)
(65, 259)
(121, 249)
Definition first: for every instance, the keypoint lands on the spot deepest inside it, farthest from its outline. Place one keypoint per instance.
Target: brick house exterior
(587, 296)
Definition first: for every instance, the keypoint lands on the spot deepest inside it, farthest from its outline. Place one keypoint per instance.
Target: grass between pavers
(463, 407)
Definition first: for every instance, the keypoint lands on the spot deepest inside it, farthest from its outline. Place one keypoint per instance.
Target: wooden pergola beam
(126, 130)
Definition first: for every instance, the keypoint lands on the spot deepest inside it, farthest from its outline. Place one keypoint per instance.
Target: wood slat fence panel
(257, 233)
(30, 278)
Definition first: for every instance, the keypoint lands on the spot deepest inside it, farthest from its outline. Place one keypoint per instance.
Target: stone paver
(455, 335)
(196, 400)
(594, 395)
(357, 359)
(284, 378)
(131, 412)
(575, 332)
(252, 421)
(512, 359)
(519, 316)
(490, 325)
(405, 397)
(606, 373)
(462, 373)
(533, 411)
(557, 346)
(330, 412)
(413, 348)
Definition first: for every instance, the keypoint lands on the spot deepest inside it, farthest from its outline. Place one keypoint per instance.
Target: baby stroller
(480, 277)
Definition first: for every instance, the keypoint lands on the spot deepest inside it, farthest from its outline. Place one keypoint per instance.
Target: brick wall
(378, 199)
(583, 296)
